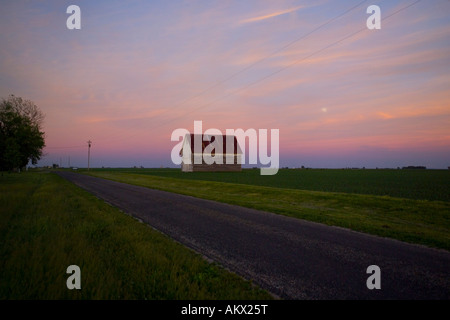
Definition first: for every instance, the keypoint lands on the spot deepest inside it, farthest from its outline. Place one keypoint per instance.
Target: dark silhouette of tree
(21, 137)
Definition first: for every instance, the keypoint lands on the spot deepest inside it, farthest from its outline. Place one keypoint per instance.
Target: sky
(340, 95)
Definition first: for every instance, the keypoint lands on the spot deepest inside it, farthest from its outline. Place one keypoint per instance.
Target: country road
(292, 258)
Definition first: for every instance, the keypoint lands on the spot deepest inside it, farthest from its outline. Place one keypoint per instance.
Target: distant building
(225, 150)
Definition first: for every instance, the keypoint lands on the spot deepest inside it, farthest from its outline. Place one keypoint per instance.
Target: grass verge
(47, 224)
(416, 221)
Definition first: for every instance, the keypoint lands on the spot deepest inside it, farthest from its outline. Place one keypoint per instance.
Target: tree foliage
(21, 135)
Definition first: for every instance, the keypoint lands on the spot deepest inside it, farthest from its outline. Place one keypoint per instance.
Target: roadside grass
(423, 222)
(47, 224)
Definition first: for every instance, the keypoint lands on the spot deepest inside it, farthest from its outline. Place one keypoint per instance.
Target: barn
(200, 152)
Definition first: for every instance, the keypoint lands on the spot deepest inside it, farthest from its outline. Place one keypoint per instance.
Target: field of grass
(419, 221)
(411, 184)
(47, 224)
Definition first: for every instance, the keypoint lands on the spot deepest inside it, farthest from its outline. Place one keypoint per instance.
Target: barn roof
(221, 141)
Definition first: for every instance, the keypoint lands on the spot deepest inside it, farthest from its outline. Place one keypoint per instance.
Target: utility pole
(89, 152)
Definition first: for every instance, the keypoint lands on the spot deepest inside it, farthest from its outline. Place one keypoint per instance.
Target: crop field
(411, 184)
(407, 205)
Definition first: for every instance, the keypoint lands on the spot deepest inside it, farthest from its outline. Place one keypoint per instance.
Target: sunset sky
(341, 95)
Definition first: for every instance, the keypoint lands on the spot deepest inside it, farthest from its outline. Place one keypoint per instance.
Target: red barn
(202, 152)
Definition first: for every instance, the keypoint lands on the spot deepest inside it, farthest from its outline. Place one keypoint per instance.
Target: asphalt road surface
(292, 258)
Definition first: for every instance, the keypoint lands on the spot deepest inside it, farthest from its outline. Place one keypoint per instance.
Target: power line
(249, 67)
(272, 54)
(292, 64)
(71, 147)
(279, 70)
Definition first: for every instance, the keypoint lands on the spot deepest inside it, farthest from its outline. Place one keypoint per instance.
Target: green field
(47, 224)
(411, 184)
(410, 219)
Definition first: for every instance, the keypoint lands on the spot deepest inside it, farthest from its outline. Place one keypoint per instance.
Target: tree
(21, 135)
